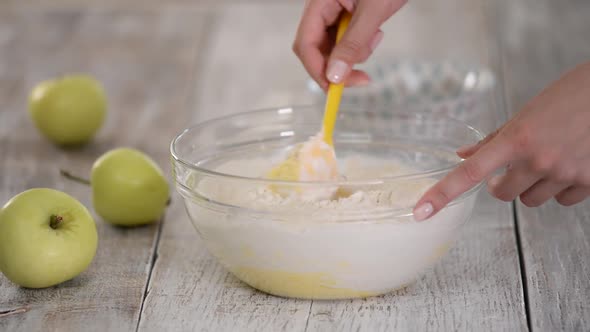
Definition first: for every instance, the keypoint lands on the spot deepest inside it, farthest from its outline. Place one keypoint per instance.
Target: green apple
(128, 188)
(68, 110)
(46, 237)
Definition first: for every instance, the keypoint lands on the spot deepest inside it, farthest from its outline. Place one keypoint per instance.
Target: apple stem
(72, 177)
(55, 220)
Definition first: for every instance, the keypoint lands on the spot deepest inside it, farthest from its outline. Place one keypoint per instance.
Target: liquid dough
(360, 243)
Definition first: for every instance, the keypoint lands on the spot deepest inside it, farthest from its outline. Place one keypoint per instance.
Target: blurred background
(210, 58)
(217, 57)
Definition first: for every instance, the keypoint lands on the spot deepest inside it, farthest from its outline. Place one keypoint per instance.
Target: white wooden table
(168, 64)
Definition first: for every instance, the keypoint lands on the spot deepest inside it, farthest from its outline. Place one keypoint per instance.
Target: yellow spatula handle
(334, 90)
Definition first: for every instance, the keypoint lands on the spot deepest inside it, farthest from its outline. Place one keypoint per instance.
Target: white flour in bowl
(360, 243)
(398, 195)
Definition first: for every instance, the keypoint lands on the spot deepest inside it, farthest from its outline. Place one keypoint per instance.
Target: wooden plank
(476, 287)
(189, 290)
(543, 39)
(243, 73)
(144, 60)
(540, 41)
(556, 246)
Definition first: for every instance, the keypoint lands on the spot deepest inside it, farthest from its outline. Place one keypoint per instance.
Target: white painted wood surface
(189, 289)
(556, 246)
(166, 65)
(477, 287)
(555, 240)
(144, 59)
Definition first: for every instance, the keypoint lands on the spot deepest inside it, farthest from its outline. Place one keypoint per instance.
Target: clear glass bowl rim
(378, 181)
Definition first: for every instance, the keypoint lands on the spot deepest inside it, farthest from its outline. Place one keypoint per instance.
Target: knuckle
(522, 138)
(440, 199)
(543, 162)
(564, 174)
(472, 172)
(352, 51)
(363, 57)
(583, 179)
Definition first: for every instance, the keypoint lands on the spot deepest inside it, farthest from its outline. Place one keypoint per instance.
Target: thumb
(357, 43)
(361, 38)
(467, 151)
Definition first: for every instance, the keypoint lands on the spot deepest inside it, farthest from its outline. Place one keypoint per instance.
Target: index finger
(497, 153)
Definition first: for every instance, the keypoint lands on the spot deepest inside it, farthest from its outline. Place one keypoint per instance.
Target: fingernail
(423, 211)
(337, 69)
(376, 40)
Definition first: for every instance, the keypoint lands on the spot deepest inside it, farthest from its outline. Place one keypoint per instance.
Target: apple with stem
(46, 238)
(128, 187)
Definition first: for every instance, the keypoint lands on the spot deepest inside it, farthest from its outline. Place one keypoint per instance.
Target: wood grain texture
(556, 246)
(249, 63)
(167, 65)
(144, 60)
(476, 287)
(541, 40)
(189, 290)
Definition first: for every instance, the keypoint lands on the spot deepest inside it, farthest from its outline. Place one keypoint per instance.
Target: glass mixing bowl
(355, 237)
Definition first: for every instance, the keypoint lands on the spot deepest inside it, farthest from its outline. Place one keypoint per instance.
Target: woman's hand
(314, 43)
(545, 149)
